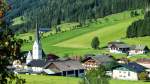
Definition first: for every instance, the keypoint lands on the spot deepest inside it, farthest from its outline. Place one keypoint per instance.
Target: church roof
(37, 63)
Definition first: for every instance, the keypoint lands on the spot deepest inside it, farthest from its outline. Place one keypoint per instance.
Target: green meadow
(78, 41)
(40, 79)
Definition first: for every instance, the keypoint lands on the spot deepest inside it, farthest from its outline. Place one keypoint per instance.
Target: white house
(138, 49)
(118, 47)
(128, 71)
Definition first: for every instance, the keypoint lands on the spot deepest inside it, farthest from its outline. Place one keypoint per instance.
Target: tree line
(140, 28)
(49, 13)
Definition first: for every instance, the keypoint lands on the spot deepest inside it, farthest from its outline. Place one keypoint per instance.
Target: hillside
(75, 42)
(50, 13)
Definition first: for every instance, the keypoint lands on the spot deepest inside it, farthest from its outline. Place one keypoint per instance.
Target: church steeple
(37, 49)
(37, 37)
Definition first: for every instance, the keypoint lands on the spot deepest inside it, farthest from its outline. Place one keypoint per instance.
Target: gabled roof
(121, 45)
(100, 58)
(115, 42)
(133, 67)
(144, 60)
(37, 63)
(138, 47)
(65, 65)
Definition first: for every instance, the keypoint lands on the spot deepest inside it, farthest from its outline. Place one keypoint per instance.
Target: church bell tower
(37, 49)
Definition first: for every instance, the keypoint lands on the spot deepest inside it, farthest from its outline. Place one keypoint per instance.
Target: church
(34, 60)
(36, 64)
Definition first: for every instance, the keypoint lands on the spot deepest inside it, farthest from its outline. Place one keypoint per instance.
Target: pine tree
(95, 43)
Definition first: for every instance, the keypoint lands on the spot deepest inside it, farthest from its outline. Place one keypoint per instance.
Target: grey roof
(115, 42)
(122, 45)
(138, 47)
(101, 58)
(134, 67)
(37, 63)
(67, 65)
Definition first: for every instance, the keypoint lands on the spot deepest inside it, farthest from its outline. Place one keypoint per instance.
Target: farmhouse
(138, 49)
(118, 47)
(144, 62)
(65, 68)
(90, 62)
(128, 71)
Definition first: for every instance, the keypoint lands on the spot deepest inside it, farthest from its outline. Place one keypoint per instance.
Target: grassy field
(77, 42)
(38, 79)
(106, 34)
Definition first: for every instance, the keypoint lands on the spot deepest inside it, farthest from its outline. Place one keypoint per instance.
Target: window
(128, 73)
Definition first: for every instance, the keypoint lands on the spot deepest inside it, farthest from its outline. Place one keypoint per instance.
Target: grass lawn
(39, 79)
(139, 40)
(127, 82)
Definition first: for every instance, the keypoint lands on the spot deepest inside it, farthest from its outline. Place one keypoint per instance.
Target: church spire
(37, 37)
(37, 48)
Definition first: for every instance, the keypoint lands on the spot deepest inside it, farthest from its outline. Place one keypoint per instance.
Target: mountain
(50, 13)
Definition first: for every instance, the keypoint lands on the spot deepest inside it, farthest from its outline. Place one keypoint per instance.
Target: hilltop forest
(50, 13)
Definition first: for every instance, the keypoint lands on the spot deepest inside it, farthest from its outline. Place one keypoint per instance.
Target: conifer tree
(95, 43)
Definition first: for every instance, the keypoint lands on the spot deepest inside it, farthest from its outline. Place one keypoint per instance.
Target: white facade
(125, 75)
(37, 69)
(37, 51)
(136, 52)
(114, 50)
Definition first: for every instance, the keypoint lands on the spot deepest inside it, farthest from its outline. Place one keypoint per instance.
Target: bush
(143, 76)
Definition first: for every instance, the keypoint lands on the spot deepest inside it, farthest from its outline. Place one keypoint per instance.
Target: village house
(146, 63)
(90, 62)
(118, 47)
(129, 71)
(138, 49)
(65, 68)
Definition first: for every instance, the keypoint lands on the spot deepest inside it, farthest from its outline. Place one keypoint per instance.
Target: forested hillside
(140, 28)
(52, 12)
